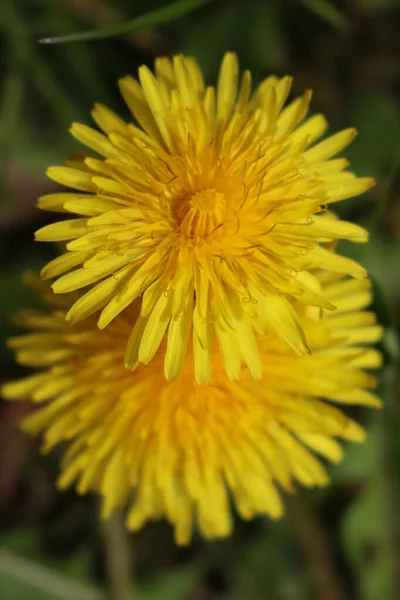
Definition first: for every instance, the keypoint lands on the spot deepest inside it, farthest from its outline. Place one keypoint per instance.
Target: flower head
(212, 210)
(176, 449)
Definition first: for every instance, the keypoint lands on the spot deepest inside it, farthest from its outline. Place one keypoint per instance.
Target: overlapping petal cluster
(213, 213)
(201, 327)
(179, 450)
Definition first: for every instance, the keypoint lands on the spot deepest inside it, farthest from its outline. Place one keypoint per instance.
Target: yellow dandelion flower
(183, 451)
(212, 210)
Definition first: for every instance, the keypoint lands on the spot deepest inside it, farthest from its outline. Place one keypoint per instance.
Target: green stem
(118, 559)
(147, 21)
(315, 546)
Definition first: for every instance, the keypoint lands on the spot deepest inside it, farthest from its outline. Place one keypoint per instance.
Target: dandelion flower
(187, 452)
(212, 210)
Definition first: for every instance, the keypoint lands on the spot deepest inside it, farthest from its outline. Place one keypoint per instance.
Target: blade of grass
(153, 19)
(326, 11)
(44, 580)
(97, 13)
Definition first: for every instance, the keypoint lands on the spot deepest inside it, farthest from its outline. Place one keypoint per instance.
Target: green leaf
(381, 259)
(382, 205)
(150, 20)
(22, 579)
(265, 43)
(14, 297)
(377, 119)
(390, 343)
(11, 103)
(269, 564)
(326, 11)
(26, 56)
(223, 29)
(363, 536)
(37, 154)
(177, 584)
(253, 31)
(28, 544)
(360, 461)
(79, 59)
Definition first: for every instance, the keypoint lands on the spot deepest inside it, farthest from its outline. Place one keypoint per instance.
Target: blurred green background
(339, 544)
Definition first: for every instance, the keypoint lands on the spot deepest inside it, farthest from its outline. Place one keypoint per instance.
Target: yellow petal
(292, 116)
(107, 120)
(248, 347)
(155, 328)
(98, 296)
(74, 281)
(63, 263)
(93, 139)
(55, 202)
(155, 102)
(354, 187)
(73, 178)
(136, 101)
(63, 230)
(277, 314)
(178, 335)
(131, 359)
(229, 351)
(203, 346)
(312, 129)
(324, 445)
(331, 146)
(227, 86)
(337, 228)
(89, 206)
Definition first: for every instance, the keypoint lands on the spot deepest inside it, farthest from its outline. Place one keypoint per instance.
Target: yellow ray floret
(183, 451)
(208, 210)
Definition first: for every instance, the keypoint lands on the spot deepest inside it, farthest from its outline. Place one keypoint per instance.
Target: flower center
(201, 213)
